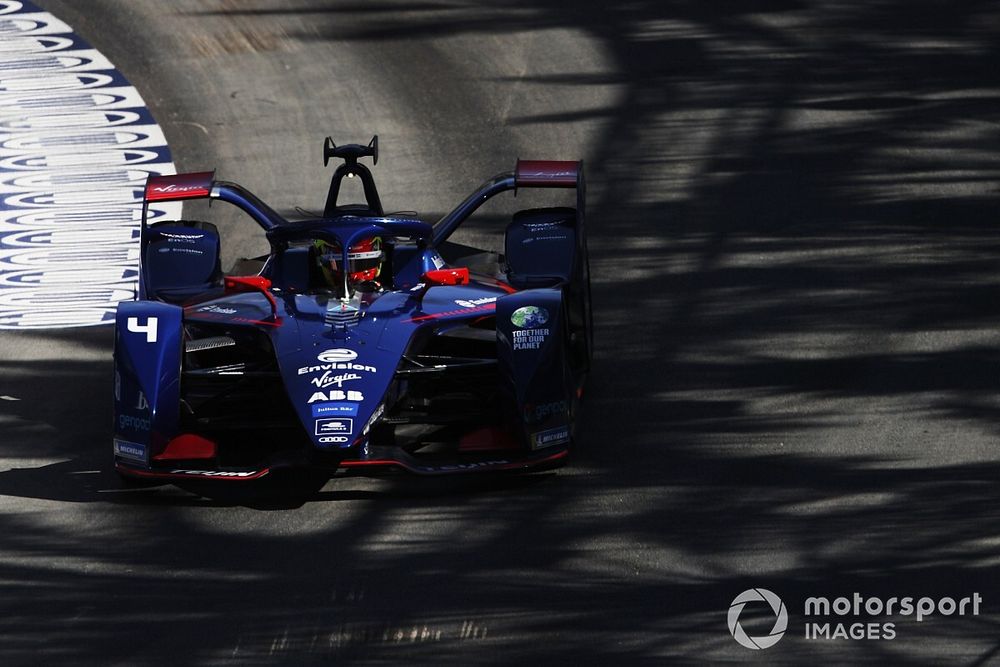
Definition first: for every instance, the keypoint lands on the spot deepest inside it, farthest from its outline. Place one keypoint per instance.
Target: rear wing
(202, 185)
(195, 185)
(526, 174)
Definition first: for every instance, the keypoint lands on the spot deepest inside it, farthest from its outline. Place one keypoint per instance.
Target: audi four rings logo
(780, 621)
(339, 354)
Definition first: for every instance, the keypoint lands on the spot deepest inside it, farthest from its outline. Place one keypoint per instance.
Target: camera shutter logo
(780, 621)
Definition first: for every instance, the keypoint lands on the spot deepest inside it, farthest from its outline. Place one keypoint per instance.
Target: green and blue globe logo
(529, 317)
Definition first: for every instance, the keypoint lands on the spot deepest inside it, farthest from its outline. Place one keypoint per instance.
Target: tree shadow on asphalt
(805, 208)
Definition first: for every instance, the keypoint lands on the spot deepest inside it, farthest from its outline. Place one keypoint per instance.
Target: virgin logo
(177, 188)
(328, 379)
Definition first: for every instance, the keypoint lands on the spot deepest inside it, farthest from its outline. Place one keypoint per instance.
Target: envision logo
(339, 354)
(780, 622)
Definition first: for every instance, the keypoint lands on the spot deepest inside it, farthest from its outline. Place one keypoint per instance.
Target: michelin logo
(554, 436)
(130, 450)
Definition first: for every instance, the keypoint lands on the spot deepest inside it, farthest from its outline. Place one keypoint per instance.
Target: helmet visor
(357, 262)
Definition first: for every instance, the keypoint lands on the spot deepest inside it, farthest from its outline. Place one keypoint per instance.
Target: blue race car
(352, 343)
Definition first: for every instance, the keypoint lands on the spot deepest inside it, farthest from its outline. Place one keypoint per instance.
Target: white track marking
(76, 146)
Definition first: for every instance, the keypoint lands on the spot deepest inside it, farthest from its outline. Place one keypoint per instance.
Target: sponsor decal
(529, 339)
(335, 409)
(135, 451)
(217, 473)
(336, 395)
(338, 354)
(538, 226)
(336, 367)
(463, 466)
(142, 404)
(338, 359)
(553, 436)
(529, 317)
(334, 426)
(173, 188)
(374, 418)
(337, 439)
(543, 238)
(133, 423)
(437, 261)
(472, 303)
(180, 238)
(541, 412)
(328, 379)
(76, 146)
(216, 309)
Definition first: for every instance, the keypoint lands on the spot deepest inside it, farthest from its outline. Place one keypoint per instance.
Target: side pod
(534, 364)
(147, 356)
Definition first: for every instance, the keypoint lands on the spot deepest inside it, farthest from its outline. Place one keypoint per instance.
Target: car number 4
(149, 328)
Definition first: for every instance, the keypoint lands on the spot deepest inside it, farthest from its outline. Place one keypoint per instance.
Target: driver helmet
(364, 261)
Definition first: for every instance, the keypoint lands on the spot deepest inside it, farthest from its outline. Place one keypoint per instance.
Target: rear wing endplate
(527, 174)
(547, 174)
(202, 185)
(177, 187)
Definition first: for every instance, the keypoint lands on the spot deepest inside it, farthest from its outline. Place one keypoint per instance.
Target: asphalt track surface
(792, 218)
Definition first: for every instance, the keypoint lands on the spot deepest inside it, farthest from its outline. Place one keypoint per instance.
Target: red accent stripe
(505, 287)
(453, 313)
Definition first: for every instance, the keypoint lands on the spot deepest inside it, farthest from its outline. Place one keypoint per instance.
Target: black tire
(582, 322)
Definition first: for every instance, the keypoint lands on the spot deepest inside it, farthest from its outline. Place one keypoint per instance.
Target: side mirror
(458, 276)
(261, 284)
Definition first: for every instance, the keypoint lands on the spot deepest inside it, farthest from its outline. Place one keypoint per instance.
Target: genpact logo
(780, 621)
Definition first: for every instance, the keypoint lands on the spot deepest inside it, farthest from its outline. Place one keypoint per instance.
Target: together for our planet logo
(529, 317)
(826, 618)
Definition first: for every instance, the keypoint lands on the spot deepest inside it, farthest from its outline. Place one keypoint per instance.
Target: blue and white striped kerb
(76, 145)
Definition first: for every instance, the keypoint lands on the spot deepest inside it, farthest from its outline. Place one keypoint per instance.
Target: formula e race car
(352, 343)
